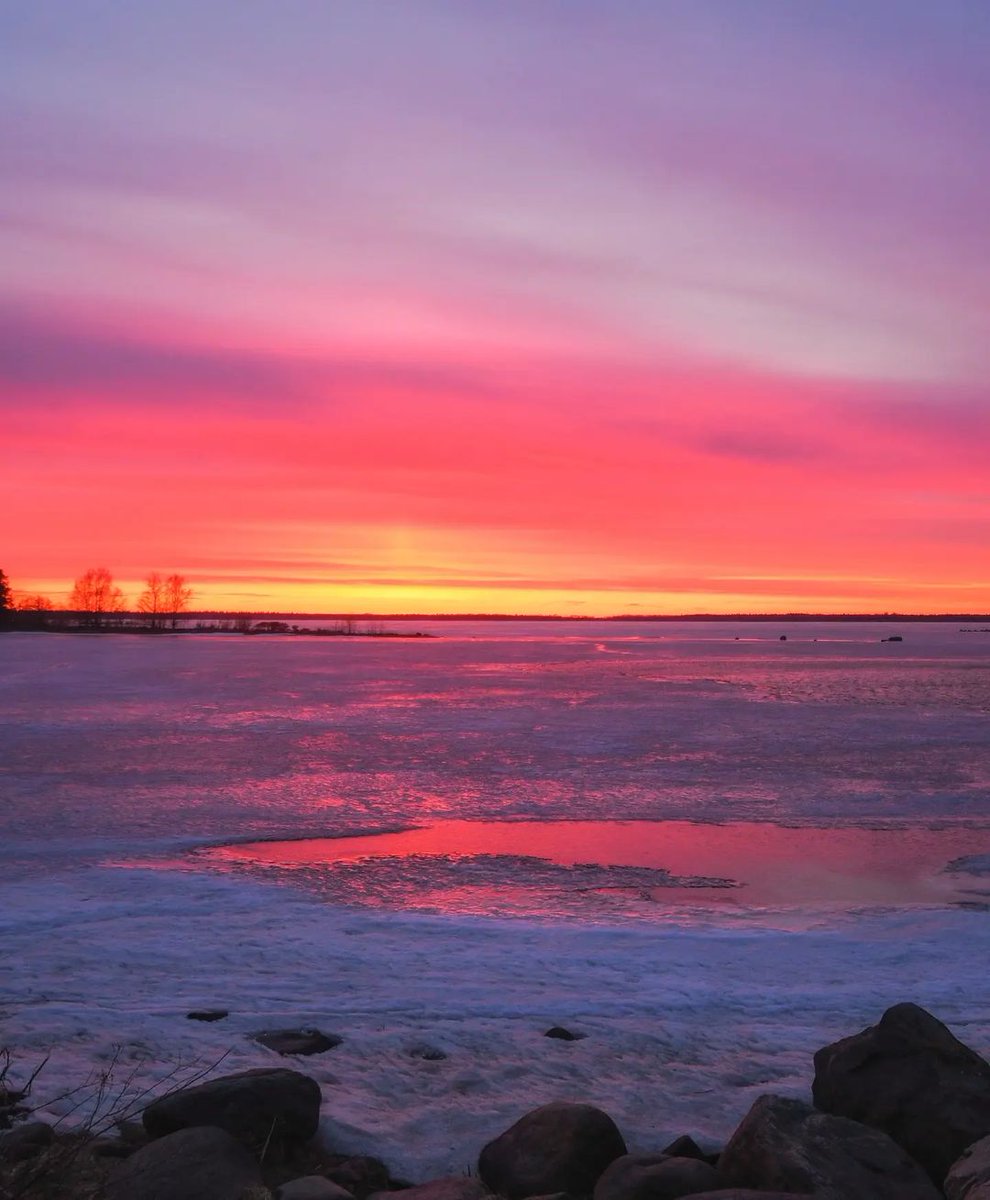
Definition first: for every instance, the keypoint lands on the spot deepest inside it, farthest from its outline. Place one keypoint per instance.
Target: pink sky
(526, 307)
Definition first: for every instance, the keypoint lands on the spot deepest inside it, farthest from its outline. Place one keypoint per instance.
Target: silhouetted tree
(177, 594)
(95, 592)
(6, 602)
(153, 600)
(35, 602)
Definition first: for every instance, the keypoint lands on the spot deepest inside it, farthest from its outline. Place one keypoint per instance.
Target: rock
(297, 1041)
(654, 1177)
(25, 1141)
(457, 1187)
(560, 1147)
(113, 1148)
(969, 1175)
(564, 1035)
(193, 1164)
(312, 1187)
(426, 1052)
(207, 1014)
(908, 1076)
(276, 1107)
(788, 1145)
(687, 1147)
(360, 1175)
(750, 1194)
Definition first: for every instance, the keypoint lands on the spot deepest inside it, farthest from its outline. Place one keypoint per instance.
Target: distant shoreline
(263, 615)
(263, 623)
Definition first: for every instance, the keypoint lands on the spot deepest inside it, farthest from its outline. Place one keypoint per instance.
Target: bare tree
(34, 602)
(95, 593)
(153, 600)
(177, 594)
(6, 601)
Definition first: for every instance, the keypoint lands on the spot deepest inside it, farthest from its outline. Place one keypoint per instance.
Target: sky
(517, 306)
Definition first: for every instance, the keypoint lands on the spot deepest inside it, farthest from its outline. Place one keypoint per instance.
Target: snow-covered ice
(119, 753)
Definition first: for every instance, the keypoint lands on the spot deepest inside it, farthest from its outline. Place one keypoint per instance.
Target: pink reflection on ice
(776, 866)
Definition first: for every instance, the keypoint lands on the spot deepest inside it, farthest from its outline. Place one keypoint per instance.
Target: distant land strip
(637, 617)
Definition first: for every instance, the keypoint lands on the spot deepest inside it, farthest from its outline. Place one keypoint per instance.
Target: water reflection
(626, 868)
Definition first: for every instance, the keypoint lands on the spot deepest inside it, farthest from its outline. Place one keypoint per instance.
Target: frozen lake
(708, 847)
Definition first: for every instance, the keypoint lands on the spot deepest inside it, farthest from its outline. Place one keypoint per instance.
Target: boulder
(297, 1041)
(113, 1147)
(274, 1108)
(686, 1147)
(788, 1145)
(564, 1035)
(560, 1147)
(312, 1187)
(25, 1141)
(969, 1175)
(654, 1177)
(456, 1187)
(194, 1164)
(360, 1174)
(749, 1194)
(908, 1076)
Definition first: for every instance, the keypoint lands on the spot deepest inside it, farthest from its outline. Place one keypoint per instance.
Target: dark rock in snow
(193, 1164)
(113, 1148)
(750, 1194)
(277, 1107)
(560, 1147)
(908, 1076)
(787, 1145)
(25, 1141)
(457, 1187)
(207, 1014)
(360, 1175)
(969, 1175)
(686, 1147)
(312, 1187)
(426, 1052)
(654, 1177)
(297, 1041)
(564, 1035)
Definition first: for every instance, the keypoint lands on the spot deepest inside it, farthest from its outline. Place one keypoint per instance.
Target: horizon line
(496, 616)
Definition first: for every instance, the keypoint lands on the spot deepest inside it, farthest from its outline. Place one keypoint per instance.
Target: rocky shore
(901, 1112)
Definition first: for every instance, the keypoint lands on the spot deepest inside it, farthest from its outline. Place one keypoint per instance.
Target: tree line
(96, 600)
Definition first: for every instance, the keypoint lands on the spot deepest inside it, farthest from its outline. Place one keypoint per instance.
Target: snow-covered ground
(117, 752)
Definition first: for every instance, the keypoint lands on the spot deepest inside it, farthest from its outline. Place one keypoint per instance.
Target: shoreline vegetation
(241, 623)
(372, 625)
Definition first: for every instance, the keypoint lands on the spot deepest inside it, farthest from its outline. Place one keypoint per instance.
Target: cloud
(71, 363)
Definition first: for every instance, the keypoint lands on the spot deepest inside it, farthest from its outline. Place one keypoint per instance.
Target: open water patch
(602, 870)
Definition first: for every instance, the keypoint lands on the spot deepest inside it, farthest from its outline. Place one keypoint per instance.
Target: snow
(118, 753)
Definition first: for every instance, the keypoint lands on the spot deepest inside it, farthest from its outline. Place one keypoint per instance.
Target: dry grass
(108, 1101)
(66, 1170)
